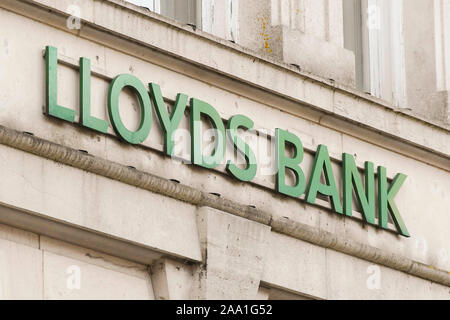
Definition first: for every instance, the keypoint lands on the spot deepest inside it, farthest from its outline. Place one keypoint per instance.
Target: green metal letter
(115, 89)
(284, 162)
(52, 107)
(322, 163)
(198, 108)
(169, 123)
(386, 201)
(85, 100)
(352, 179)
(249, 172)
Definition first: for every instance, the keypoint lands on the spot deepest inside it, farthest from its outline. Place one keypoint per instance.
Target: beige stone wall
(179, 249)
(37, 267)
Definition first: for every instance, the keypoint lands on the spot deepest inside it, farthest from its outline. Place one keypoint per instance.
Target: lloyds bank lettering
(375, 197)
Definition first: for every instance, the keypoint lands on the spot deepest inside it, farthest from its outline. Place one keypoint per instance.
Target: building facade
(206, 149)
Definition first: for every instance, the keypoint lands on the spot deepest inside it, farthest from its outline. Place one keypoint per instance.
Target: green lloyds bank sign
(311, 186)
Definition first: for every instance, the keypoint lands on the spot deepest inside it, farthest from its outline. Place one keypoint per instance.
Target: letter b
(284, 162)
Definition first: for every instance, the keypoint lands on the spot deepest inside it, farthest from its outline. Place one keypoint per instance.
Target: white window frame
(155, 6)
(220, 18)
(379, 48)
(152, 5)
(168, 8)
(442, 42)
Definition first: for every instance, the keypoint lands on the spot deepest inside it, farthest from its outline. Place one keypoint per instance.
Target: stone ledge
(309, 53)
(152, 183)
(61, 230)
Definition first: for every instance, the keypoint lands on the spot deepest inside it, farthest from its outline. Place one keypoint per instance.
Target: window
(183, 11)
(442, 43)
(218, 17)
(373, 30)
(152, 5)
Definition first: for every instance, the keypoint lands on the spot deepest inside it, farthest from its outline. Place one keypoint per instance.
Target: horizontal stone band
(150, 182)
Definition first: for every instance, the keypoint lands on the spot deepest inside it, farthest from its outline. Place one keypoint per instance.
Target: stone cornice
(152, 183)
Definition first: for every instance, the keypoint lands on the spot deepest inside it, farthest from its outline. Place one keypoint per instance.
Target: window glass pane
(183, 11)
(353, 37)
(143, 3)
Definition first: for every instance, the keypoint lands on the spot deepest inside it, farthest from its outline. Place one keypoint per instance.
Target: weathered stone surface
(234, 251)
(203, 252)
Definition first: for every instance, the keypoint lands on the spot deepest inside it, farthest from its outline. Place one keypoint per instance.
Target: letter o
(116, 87)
